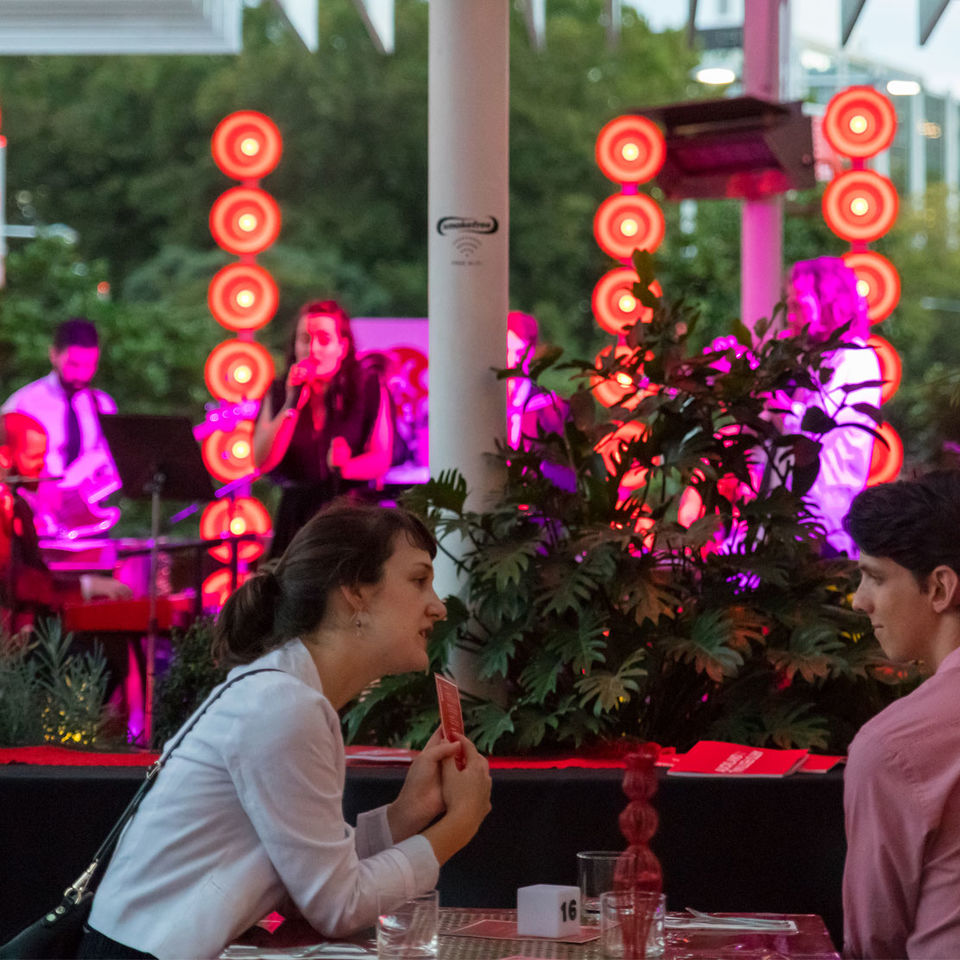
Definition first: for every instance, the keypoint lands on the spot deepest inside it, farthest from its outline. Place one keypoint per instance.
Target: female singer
(326, 427)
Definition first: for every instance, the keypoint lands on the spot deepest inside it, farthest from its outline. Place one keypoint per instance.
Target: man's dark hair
(915, 523)
(75, 332)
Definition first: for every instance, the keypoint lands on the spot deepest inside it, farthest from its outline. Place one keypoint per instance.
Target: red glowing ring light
(891, 367)
(229, 455)
(877, 282)
(626, 222)
(245, 220)
(860, 122)
(886, 459)
(242, 296)
(615, 308)
(621, 389)
(630, 149)
(611, 448)
(231, 518)
(238, 370)
(246, 145)
(860, 205)
(218, 586)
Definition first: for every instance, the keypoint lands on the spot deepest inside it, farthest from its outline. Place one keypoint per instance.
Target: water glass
(596, 874)
(408, 930)
(632, 924)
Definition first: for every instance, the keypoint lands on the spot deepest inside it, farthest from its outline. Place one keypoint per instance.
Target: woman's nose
(438, 609)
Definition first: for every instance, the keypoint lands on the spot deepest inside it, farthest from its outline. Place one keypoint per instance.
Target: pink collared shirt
(901, 880)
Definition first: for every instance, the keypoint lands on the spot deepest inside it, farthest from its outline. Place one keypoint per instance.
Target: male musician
(69, 409)
(902, 783)
(25, 580)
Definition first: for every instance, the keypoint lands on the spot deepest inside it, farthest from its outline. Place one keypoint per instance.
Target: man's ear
(944, 586)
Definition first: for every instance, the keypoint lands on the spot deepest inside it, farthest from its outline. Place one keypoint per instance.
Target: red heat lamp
(615, 308)
(628, 222)
(238, 370)
(877, 282)
(860, 122)
(246, 145)
(860, 205)
(245, 220)
(242, 296)
(630, 149)
(225, 518)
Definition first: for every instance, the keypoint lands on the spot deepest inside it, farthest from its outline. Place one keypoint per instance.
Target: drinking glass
(597, 871)
(408, 930)
(632, 924)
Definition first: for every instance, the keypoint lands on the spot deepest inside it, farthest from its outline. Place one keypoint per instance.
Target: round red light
(860, 205)
(621, 386)
(860, 122)
(245, 220)
(225, 518)
(877, 282)
(218, 586)
(887, 458)
(229, 455)
(612, 447)
(246, 145)
(238, 370)
(630, 149)
(626, 222)
(242, 296)
(615, 308)
(891, 367)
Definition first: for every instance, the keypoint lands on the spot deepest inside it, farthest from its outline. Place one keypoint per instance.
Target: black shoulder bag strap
(78, 890)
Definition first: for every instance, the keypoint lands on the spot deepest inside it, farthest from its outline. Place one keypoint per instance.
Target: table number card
(548, 910)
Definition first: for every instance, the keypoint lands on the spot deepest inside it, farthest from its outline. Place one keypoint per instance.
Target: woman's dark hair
(342, 393)
(915, 523)
(346, 544)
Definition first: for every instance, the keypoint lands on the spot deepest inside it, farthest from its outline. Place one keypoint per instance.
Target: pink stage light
(245, 220)
(246, 145)
(860, 122)
(628, 222)
(860, 205)
(224, 518)
(630, 149)
(238, 370)
(242, 296)
(615, 308)
(877, 282)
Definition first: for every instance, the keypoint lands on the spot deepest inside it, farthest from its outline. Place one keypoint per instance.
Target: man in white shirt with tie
(69, 410)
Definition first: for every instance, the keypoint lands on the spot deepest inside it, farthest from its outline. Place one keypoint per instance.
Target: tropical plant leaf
(813, 652)
(794, 725)
(610, 690)
(488, 722)
(650, 600)
(708, 647)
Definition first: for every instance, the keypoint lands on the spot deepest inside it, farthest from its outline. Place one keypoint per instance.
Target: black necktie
(72, 431)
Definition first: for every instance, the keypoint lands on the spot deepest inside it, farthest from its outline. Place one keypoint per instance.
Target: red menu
(714, 758)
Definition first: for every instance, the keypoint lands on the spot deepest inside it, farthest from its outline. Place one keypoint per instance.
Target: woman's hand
(339, 454)
(466, 797)
(420, 800)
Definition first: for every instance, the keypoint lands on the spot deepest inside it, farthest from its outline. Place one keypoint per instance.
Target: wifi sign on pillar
(630, 150)
(860, 206)
(245, 221)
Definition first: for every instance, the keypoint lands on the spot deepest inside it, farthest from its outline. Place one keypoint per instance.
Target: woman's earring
(359, 624)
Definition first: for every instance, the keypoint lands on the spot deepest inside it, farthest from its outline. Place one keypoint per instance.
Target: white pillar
(468, 214)
(765, 29)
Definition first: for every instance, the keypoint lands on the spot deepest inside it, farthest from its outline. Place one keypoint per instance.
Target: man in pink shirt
(901, 882)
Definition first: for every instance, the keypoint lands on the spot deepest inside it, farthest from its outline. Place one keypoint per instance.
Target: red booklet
(713, 758)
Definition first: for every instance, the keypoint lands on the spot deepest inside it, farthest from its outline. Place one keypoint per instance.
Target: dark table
(772, 846)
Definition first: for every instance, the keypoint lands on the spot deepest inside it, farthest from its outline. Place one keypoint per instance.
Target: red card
(451, 716)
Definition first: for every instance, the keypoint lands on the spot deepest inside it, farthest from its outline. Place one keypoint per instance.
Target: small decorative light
(858, 123)
(240, 450)
(629, 227)
(863, 288)
(859, 206)
(238, 526)
(627, 303)
(242, 373)
(245, 298)
(903, 88)
(249, 146)
(624, 379)
(630, 152)
(247, 222)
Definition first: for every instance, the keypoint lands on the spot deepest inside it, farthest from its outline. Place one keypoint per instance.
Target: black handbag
(56, 935)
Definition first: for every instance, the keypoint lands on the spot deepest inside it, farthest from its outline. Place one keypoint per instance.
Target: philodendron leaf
(488, 723)
(650, 601)
(708, 647)
(609, 690)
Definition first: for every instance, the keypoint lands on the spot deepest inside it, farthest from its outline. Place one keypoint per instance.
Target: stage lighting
(860, 205)
(625, 223)
(242, 296)
(246, 145)
(860, 122)
(621, 387)
(228, 455)
(238, 370)
(218, 586)
(615, 308)
(630, 149)
(887, 458)
(245, 220)
(225, 518)
(891, 367)
(877, 282)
